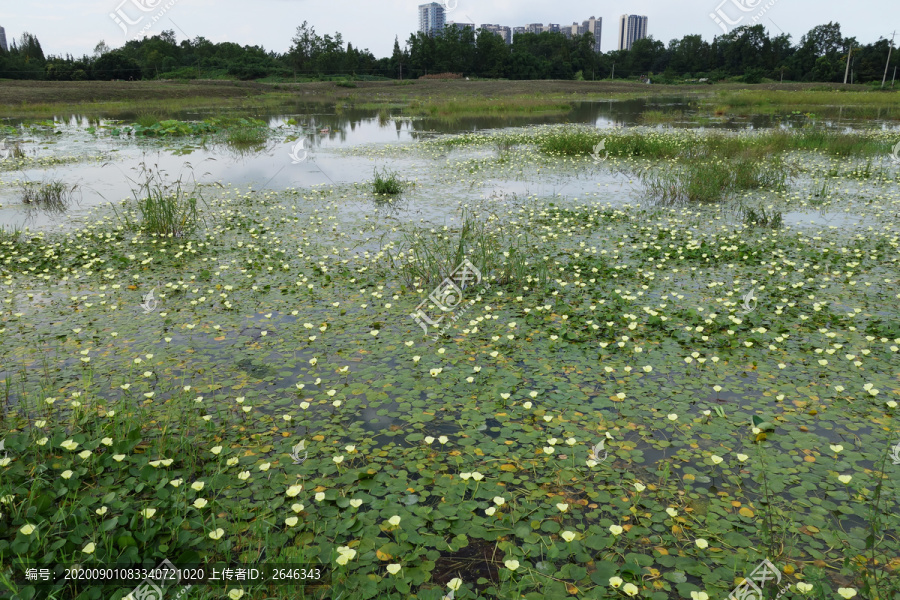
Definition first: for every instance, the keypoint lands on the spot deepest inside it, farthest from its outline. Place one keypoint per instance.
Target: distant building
(631, 29)
(431, 18)
(517, 31)
(502, 30)
(534, 28)
(573, 29)
(552, 27)
(3, 40)
(593, 26)
(461, 25)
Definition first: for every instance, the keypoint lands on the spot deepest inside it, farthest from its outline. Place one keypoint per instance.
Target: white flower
(846, 592)
(699, 596)
(148, 513)
(512, 565)
(615, 529)
(218, 533)
(393, 569)
(197, 486)
(89, 548)
(615, 581)
(27, 529)
(454, 584)
(701, 543)
(294, 490)
(568, 535)
(715, 459)
(395, 520)
(291, 521)
(630, 589)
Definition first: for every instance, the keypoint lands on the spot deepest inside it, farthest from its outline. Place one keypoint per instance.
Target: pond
(553, 365)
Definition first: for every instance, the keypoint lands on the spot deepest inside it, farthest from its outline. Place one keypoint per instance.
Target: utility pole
(894, 77)
(847, 68)
(613, 76)
(888, 63)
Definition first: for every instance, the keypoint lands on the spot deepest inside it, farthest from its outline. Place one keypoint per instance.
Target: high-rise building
(552, 27)
(631, 29)
(593, 26)
(573, 29)
(431, 18)
(518, 31)
(460, 25)
(502, 30)
(534, 28)
(3, 40)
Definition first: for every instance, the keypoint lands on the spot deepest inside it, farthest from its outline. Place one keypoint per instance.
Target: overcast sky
(75, 26)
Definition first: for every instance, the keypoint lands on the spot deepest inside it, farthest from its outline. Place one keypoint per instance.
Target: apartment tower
(631, 29)
(431, 18)
(593, 27)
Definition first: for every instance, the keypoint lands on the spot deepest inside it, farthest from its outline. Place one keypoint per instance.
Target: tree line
(747, 53)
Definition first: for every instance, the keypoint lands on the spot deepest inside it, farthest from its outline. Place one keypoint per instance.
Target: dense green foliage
(746, 53)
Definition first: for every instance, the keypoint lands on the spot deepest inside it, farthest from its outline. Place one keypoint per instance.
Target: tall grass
(796, 99)
(148, 119)
(712, 180)
(244, 137)
(51, 195)
(762, 218)
(460, 107)
(432, 257)
(687, 144)
(387, 183)
(163, 208)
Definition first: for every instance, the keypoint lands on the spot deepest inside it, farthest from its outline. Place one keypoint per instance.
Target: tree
(116, 65)
(100, 49)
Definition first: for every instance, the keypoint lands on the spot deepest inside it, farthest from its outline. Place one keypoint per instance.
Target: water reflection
(324, 129)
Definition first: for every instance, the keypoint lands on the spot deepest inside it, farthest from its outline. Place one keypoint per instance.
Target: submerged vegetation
(624, 398)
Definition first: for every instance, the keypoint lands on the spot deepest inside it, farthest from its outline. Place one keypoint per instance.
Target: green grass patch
(387, 183)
